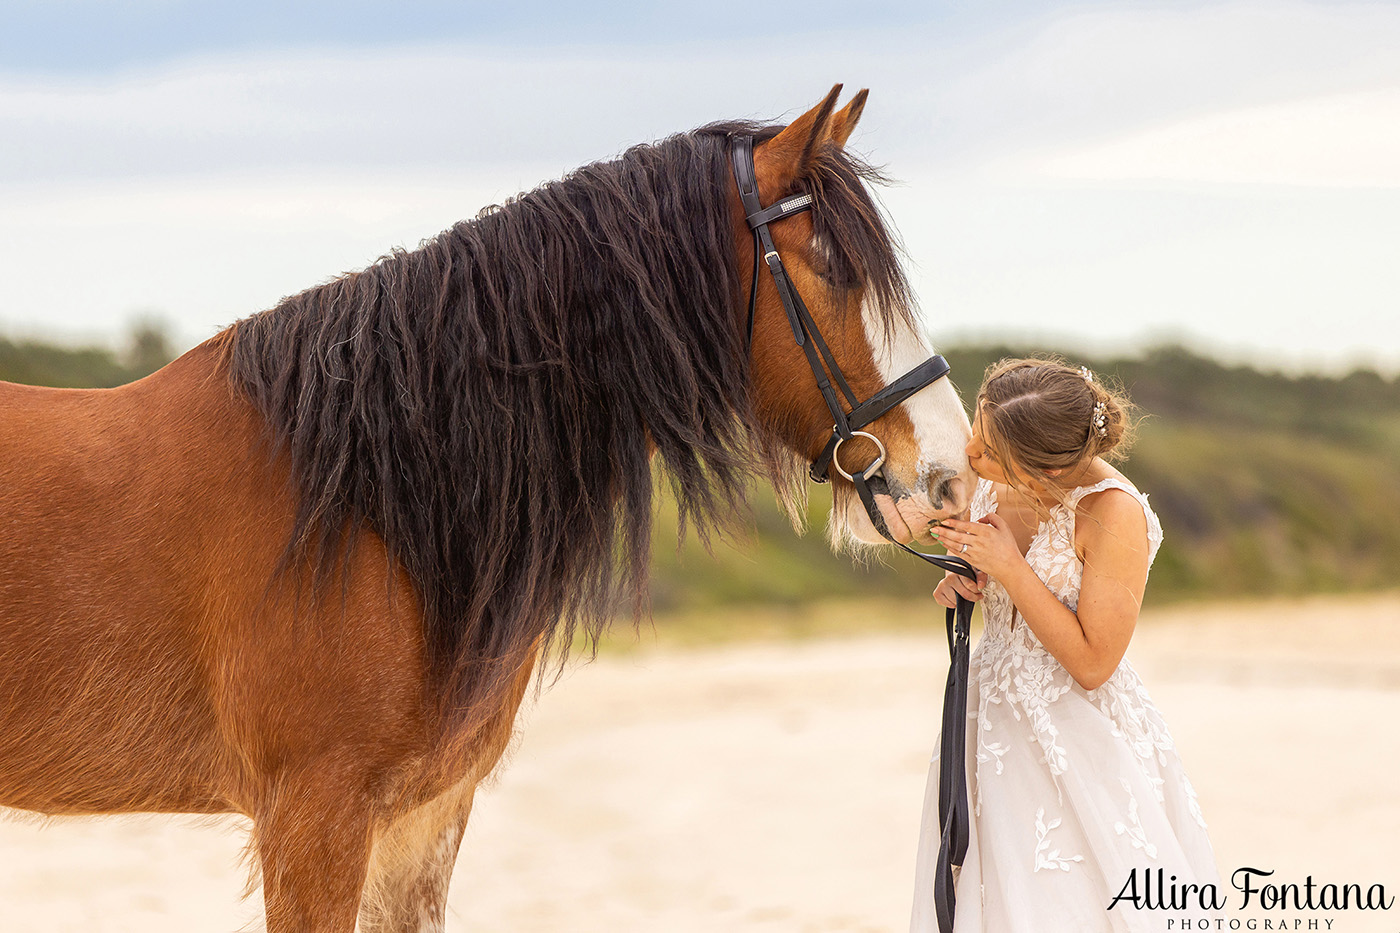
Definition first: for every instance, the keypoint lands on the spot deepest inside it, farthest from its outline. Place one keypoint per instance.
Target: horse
(307, 571)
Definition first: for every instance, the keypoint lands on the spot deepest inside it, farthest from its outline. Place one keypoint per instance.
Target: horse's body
(148, 670)
(164, 648)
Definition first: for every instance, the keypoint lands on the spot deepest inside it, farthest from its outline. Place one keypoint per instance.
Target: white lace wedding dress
(1070, 789)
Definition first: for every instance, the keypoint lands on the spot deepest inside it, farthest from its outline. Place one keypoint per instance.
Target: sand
(777, 786)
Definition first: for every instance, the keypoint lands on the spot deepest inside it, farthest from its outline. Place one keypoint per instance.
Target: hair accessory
(1100, 419)
(1088, 376)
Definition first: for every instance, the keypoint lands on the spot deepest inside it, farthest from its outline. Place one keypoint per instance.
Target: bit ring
(871, 468)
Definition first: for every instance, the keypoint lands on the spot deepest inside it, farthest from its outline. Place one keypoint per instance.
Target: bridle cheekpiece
(952, 798)
(846, 424)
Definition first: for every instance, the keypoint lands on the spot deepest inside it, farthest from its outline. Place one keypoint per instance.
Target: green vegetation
(1267, 484)
(33, 362)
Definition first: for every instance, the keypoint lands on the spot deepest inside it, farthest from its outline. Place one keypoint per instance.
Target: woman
(1077, 794)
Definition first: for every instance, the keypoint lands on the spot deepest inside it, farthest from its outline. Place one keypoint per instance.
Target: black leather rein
(952, 788)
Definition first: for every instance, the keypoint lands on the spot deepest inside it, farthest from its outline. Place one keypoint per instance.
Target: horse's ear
(786, 157)
(845, 120)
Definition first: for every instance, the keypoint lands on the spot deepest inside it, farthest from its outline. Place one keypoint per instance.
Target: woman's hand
(954, 584)
(987, 545)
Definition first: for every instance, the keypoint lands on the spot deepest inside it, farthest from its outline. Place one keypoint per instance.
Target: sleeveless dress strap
(1154, 526)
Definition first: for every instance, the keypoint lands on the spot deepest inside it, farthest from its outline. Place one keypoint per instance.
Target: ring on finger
(964, 549)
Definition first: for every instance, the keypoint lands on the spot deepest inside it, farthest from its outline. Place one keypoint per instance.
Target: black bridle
(952, 793)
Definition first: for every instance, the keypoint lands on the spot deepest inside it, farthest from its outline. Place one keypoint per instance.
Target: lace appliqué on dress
(1133, 829)
(1012, 667)
(1046, 857)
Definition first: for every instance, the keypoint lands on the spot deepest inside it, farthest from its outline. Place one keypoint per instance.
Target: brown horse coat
(305, 571)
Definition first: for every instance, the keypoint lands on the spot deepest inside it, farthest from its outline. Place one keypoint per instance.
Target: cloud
(82, 259)
(99, 36)
(1341, 140)
(211, 186)
(940, 96)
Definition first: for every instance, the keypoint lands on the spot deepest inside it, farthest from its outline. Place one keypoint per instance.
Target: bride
(1077, 794)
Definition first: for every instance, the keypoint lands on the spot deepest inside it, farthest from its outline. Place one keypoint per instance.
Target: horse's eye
(832, 270)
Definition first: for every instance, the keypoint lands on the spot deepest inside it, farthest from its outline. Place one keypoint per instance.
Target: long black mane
(485, 403)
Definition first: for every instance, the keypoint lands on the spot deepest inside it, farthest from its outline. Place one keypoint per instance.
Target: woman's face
(980, 457)
(985, 465)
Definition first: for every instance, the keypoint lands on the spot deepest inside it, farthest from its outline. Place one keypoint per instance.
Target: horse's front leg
(312, 837)
(411, 866)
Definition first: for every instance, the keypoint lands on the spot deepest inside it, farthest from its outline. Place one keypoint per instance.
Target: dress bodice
(1051, 555)
(1010, 664)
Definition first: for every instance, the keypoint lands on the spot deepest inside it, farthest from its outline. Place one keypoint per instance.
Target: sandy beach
(776, 786)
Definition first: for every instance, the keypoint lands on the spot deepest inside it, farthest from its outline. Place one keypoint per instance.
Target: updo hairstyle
(1040, 415)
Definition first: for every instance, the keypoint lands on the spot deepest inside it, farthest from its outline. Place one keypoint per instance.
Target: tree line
(1267, 483)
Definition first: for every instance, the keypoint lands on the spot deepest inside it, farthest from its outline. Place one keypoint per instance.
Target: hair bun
(1047, 416)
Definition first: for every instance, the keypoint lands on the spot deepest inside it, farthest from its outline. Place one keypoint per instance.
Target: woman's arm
(1111, 538)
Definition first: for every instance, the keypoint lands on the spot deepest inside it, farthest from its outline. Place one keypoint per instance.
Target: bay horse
(307, 571)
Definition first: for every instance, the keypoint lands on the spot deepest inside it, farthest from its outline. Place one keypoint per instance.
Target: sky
(1079, 175)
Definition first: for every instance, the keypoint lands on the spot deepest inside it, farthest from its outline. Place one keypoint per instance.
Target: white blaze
(940, 423)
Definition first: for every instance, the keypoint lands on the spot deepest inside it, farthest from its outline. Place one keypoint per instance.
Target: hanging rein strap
(952, 752)
(952, 765)
(952, 789)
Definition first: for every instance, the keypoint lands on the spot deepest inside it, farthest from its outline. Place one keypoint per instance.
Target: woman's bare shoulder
(1109, 517)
